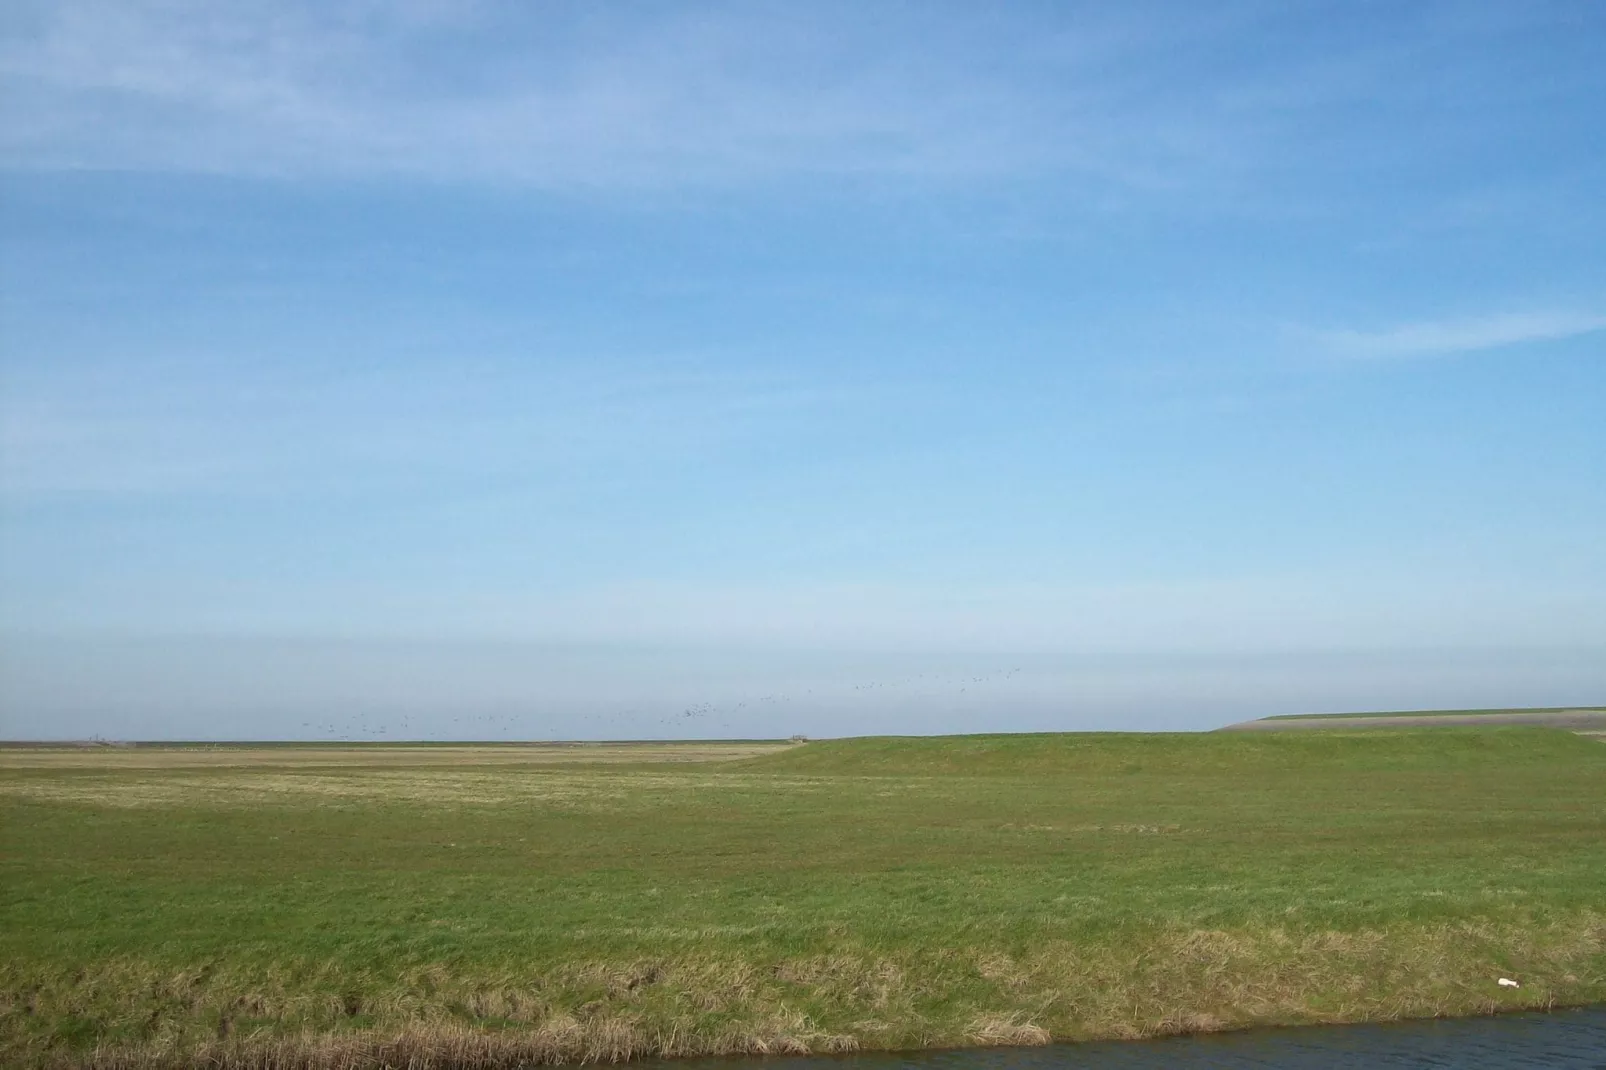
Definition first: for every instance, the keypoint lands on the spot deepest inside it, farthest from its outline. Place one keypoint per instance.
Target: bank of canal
(1559, 1040)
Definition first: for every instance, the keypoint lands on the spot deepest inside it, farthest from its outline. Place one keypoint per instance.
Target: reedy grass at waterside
(857, 893)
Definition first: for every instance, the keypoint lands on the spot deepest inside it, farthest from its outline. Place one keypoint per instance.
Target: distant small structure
(798, 739)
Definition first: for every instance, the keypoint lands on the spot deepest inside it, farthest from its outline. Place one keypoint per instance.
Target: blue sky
(685, 369)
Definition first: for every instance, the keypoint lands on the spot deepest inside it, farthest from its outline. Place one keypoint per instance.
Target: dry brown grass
(1171, 981)
(453, 1046)
(375, 755)
(555, 786)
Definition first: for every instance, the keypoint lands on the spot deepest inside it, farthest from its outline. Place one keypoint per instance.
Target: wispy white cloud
(1434, 338)
(584, 96)
(1144, 99)
(556, 96)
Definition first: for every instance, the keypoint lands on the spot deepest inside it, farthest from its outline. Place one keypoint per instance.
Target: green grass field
(456, 906)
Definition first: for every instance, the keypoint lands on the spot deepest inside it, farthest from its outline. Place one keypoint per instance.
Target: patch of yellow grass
(553, 787)
(1000, 1029)
(212, 756)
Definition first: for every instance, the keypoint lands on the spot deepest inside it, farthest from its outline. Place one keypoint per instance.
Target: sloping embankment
(1585, 721)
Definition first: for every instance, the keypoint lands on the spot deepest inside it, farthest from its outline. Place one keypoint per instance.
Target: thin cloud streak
(1450, 337)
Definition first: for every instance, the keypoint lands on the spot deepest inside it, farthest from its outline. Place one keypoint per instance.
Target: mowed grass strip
(873, 893)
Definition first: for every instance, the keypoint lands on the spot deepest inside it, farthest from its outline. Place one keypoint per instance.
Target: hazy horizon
(573, 367)
(264, 689)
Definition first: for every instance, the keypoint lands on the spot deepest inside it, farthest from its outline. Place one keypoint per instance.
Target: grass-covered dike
(487, 906)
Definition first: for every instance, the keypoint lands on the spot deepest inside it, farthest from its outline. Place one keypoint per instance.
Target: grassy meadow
(454, 906)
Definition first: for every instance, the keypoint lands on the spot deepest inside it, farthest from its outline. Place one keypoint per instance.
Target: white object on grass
(1506, 982)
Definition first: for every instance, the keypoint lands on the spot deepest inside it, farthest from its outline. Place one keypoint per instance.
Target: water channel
(1559, 1040)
